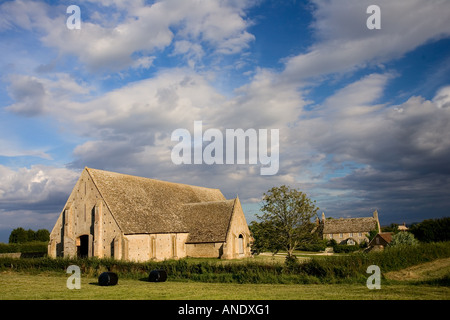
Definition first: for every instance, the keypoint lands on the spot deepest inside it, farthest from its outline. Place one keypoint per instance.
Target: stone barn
(126, 217)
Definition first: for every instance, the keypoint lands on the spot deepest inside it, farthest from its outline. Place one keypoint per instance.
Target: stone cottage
(348, 231)
(133, 218)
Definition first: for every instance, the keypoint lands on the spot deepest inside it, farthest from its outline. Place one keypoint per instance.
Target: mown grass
(52, 286)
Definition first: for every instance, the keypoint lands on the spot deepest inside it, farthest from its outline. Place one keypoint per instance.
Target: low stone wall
(18, 255)
(10, 255)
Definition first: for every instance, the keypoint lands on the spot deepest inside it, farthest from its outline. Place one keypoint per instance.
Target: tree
(393, 227)
(287, 213)
(432, 230)
(264, 237)
(18, 235)
(403, 238)
(42, 235)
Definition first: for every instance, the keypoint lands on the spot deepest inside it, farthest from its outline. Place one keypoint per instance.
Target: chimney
(323, 217)
(375, 216)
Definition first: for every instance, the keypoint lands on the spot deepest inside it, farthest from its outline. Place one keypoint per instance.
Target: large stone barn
(133, 218)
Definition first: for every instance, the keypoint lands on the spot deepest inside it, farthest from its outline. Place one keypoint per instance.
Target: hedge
(330, 269)
(26, 247)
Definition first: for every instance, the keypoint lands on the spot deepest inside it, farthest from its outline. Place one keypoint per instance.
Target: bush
(403, 238)
(318, 246)
(27, 247)
(344, 248)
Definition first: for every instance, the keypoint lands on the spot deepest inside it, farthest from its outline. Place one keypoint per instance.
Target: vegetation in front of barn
(321, 269)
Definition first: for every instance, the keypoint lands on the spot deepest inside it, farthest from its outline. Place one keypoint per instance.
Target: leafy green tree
(264, 237)
(18, 235)
(287, 213)
(393, 227)
(432, 230)
(30, 235)
(42, 235)
(403, 238)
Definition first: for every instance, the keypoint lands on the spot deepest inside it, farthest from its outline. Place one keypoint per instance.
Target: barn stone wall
(238, 237)
(143, 247)
(204, 250)
(85, 216)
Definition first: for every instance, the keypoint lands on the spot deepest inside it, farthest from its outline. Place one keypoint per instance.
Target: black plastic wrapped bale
(157, 276)
(108, 279)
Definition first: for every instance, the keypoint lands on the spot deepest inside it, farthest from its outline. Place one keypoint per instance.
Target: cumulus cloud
(39, 188)
(346, 44)
(34, 96)
(29, 94)
(111, 42)
(394, 157)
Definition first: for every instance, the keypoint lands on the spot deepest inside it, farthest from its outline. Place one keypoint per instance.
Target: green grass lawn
(48, 285)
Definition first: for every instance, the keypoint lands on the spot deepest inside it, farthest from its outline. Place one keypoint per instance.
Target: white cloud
(10, 148)
(346, 44)
(348, 126)
(110, 42)
(37, 95)
(37, 185)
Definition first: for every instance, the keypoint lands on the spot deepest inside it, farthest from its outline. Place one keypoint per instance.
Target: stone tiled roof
(142, 205)
(208, 221)
(349, 225)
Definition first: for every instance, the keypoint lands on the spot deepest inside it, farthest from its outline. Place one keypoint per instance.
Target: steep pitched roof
(143, 205)
(349, 225)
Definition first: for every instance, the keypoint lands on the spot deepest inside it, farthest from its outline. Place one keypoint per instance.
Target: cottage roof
(349, 225)
(143, 205)
(387, 236)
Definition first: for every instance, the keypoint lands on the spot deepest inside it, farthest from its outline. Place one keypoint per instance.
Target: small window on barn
(360, 234)
(331, 236)
(241, 244)
(341, 235)
(351, 234)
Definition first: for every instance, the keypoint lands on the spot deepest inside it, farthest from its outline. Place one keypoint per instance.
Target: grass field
(408, 273)
(18, 286)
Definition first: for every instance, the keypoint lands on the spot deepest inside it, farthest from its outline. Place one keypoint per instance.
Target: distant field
(43, 286)
(423, 272)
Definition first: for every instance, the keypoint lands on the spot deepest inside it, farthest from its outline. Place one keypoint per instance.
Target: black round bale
(157, 276)
(108, 279)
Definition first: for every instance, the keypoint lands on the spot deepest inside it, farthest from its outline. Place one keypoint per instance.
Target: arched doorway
(83, 246)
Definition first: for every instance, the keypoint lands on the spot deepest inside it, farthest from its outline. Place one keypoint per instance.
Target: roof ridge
(153, 179)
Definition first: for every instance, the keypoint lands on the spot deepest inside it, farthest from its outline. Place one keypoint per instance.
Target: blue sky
(363, 114)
